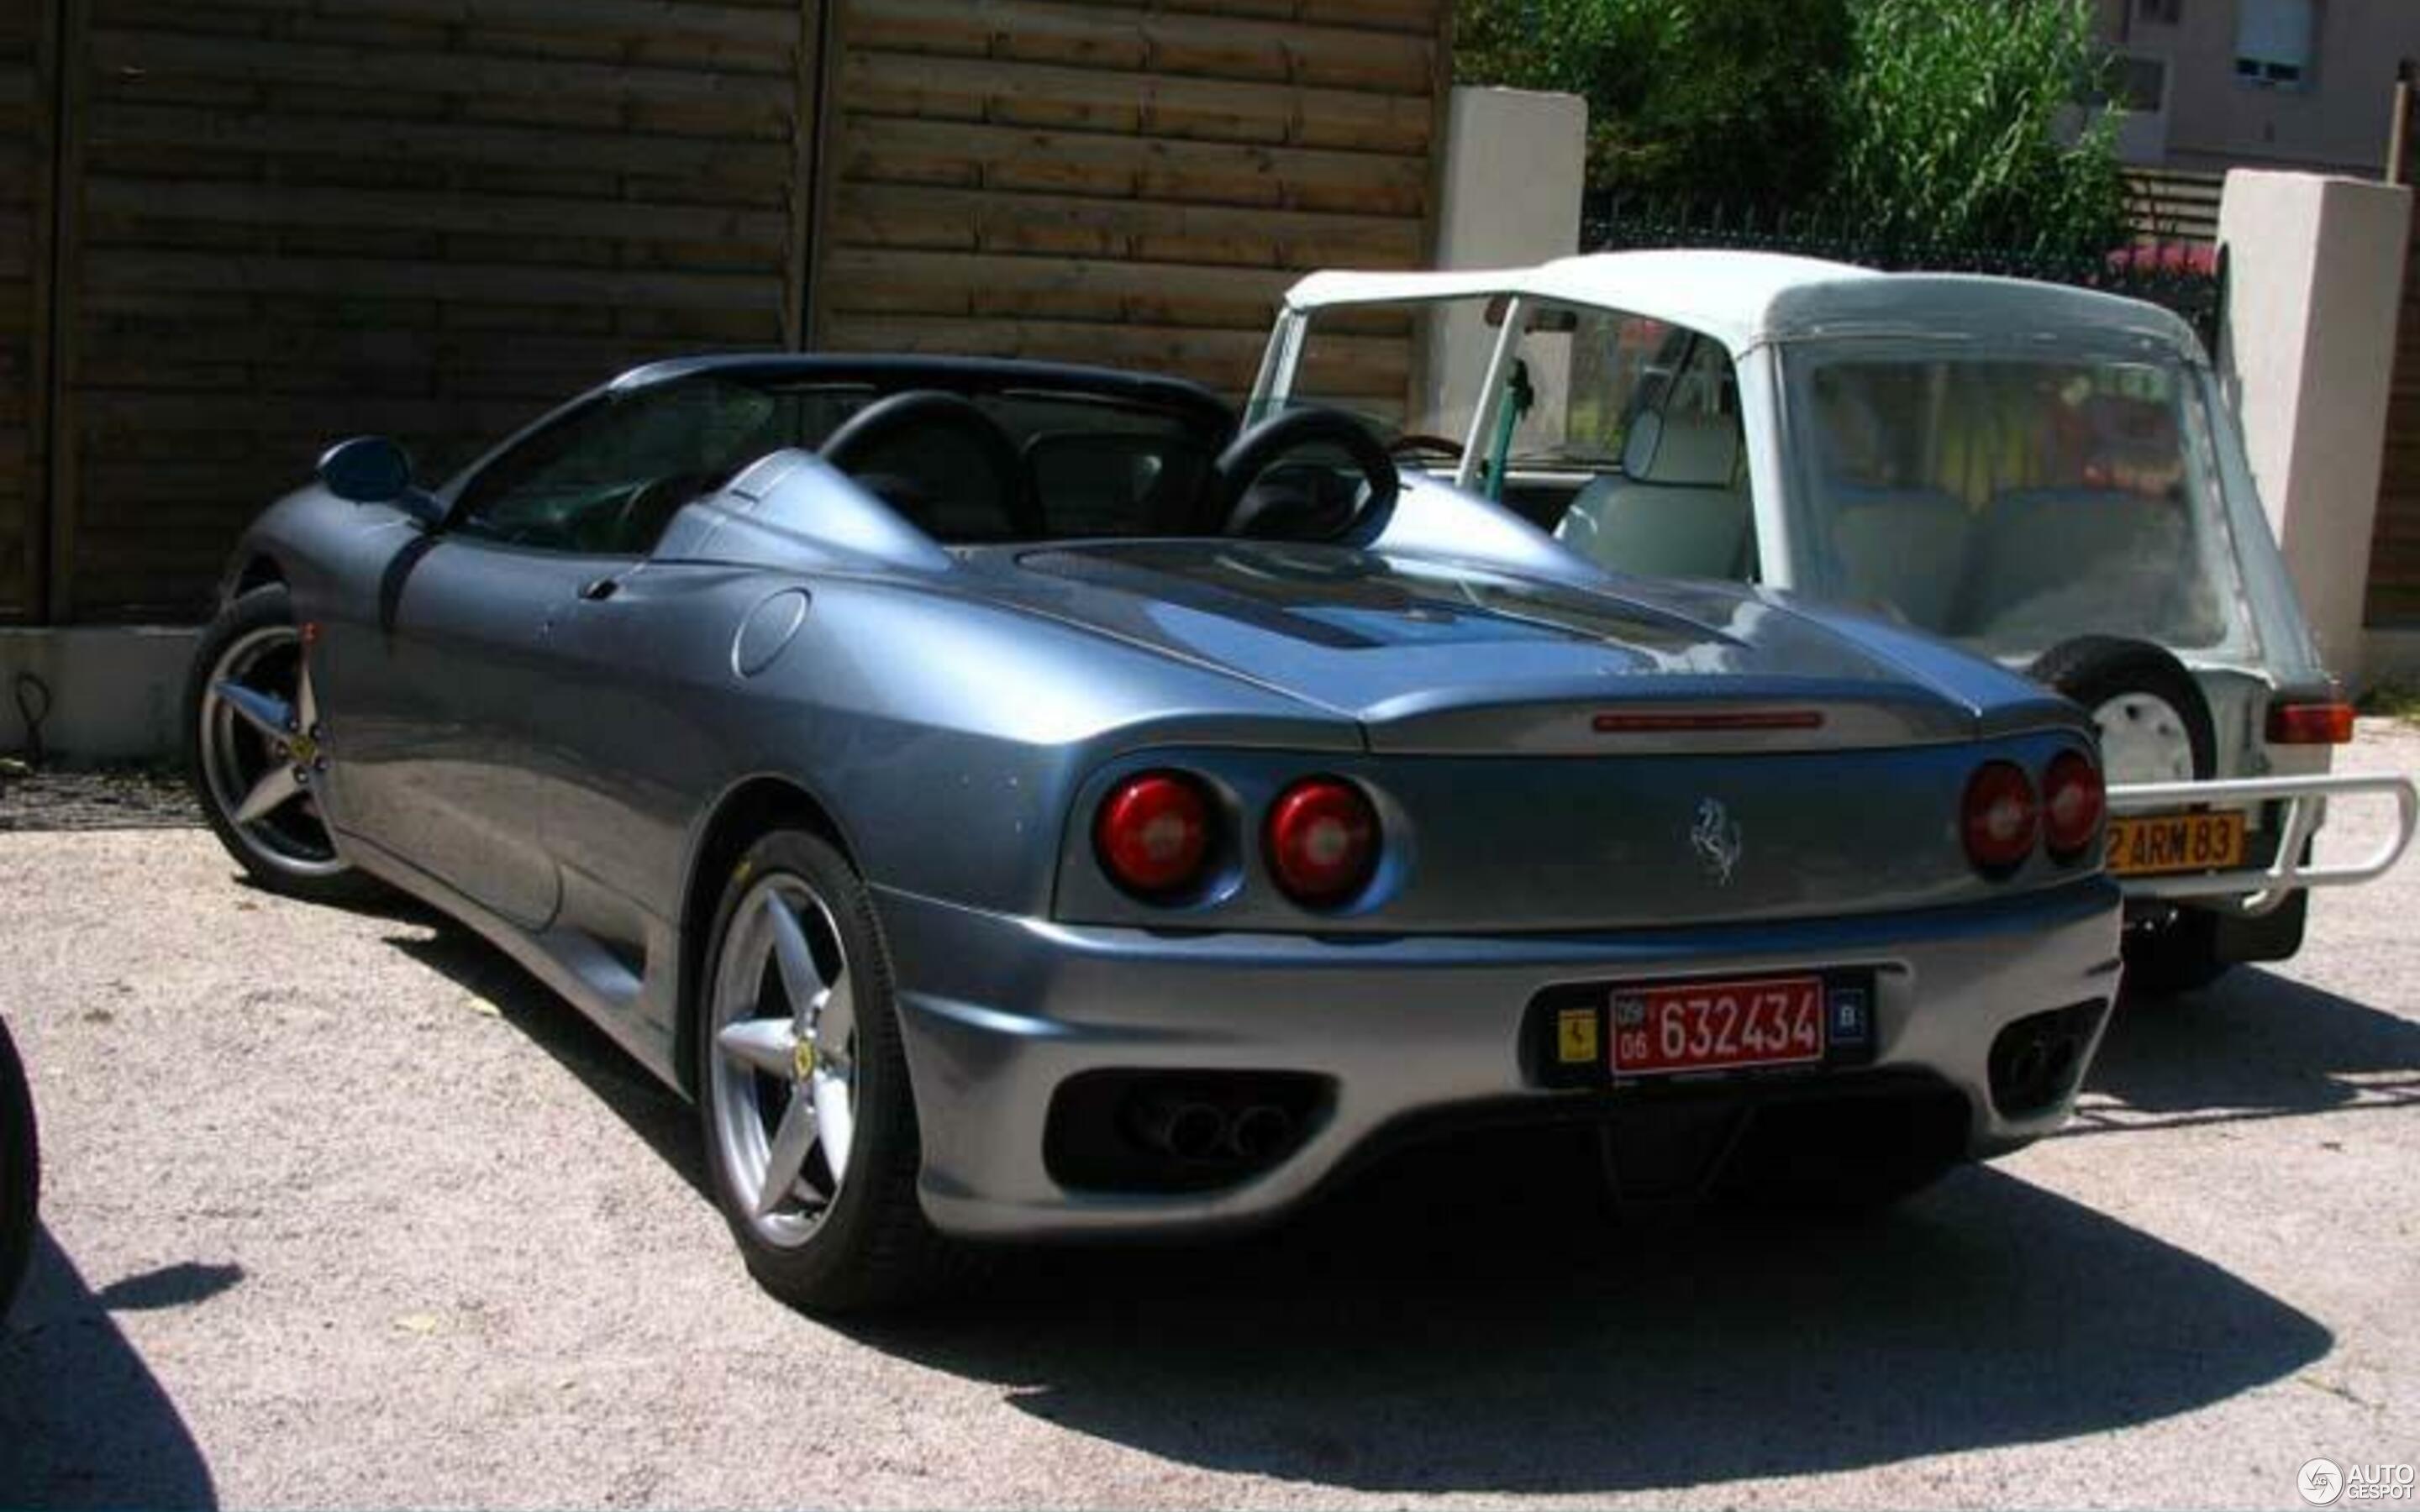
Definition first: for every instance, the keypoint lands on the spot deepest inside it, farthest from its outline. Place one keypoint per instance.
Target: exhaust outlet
(1186, 1129)
(1261, 1131)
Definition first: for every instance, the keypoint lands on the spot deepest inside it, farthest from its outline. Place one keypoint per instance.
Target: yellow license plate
(2144, 846)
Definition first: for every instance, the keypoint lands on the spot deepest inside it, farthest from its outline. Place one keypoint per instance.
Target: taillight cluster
(2004, 817)
(1161, 836)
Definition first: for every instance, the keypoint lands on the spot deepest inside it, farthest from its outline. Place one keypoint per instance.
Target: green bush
(1729, 97)
(1950, 119)
(1910, 120)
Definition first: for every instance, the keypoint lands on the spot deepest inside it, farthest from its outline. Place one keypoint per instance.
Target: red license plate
(1717, 1026)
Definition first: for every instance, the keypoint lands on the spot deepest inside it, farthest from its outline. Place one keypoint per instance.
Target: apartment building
(2210, 84)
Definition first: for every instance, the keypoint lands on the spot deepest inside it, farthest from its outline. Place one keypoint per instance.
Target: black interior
(970, 450)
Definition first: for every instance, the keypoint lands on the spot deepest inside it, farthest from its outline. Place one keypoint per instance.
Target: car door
(450, 762)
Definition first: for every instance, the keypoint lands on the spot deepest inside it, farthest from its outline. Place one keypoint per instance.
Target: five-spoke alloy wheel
(260, 754)
(802, 1084)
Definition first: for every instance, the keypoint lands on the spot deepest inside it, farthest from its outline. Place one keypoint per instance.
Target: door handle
(600, 590)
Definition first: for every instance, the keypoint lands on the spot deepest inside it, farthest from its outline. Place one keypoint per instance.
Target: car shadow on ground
(2252, 1045)
(83, 1421)
(1466, 1318)
(1463, 1321)
(651, 1111)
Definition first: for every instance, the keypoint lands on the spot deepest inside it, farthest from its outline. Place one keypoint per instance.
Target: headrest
(1692, 450)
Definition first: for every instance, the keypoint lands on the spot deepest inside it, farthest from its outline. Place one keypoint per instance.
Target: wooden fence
(1128, 185)
(25, 124)
(2394, 596)
(284, 221)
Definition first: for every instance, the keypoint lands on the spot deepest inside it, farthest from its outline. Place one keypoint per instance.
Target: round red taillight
(1322, 841)
(1153, 833)
(2000, 819)
(2073, 802)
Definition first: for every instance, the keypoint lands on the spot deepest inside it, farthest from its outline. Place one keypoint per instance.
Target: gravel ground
(342, 1210)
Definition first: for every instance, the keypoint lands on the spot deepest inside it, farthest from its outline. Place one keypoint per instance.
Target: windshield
(1414, 373)
(2012, 500)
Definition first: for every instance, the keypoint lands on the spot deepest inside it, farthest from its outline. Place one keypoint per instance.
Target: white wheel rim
(2144, 739)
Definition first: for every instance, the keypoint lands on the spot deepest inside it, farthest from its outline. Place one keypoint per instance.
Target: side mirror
(372, 470)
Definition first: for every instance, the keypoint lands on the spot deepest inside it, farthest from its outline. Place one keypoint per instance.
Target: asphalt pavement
(342, 1210)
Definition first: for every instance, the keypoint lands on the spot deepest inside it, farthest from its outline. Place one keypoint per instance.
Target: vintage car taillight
(1322, 841)
(2310, 724)
(1153, 834)
(2073, 804)
(2000, 818)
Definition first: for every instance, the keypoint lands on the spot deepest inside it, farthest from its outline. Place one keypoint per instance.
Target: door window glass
(606, 478)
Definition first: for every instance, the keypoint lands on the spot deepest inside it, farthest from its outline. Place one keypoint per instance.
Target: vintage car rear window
(2006, 500)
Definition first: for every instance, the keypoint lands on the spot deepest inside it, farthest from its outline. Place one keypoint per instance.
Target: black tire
(2094, 669)
(262, 608)
(873, 1247)
(2173, 949)
(20, 1173)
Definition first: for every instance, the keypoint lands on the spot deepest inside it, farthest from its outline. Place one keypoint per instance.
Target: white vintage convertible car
(2046, 474)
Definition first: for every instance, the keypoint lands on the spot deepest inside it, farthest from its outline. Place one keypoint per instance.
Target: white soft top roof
(1743, 299)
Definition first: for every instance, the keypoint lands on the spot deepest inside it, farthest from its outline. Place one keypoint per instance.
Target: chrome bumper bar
(2259, 889)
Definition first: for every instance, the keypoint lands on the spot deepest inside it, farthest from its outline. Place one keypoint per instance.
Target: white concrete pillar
(1509, 195)
(2315, 286)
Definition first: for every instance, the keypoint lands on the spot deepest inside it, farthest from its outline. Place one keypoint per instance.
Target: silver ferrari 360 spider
(1013, 804)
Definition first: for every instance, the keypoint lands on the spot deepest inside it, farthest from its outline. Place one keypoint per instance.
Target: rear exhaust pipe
(1179, 1127)
(1261, 1131)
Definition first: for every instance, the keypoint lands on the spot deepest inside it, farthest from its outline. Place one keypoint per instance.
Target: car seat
(1678, 508)
(1902, 548)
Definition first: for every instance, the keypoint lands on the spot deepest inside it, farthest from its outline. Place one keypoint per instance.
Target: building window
(2139, 84)
(2164, 13)
(2272, 41)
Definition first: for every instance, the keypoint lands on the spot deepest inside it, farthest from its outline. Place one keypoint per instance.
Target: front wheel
(258, 753)
(809, 1119)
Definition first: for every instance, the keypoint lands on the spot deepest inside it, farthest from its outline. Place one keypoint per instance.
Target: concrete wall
(2315, 277)
(113, 693)
(1514, 170)
(2336, 121)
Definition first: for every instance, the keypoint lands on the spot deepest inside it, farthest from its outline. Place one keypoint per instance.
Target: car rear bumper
(1001, 1013)
(2286, 869)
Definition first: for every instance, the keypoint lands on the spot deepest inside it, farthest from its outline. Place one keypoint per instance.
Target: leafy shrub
(1916, 120)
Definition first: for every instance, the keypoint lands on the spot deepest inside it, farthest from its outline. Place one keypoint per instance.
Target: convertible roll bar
(2259, 889)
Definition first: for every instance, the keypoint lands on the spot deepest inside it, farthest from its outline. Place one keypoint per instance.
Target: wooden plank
(1096, 100)
(62, 489)
(1224, 360)
(465, 282)
(804, 202)
(271, 205)
(1097, 37)
(970, 155)
(130, 55)
(673, 155)
(915, 216)
(891, 281)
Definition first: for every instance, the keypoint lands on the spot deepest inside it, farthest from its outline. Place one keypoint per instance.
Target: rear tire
(2155, 727)
(248, 675)
(825, 1234)
(2144, 701)
(20, 1173)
